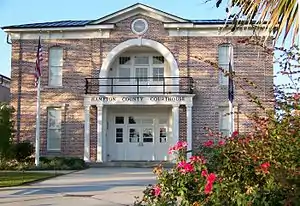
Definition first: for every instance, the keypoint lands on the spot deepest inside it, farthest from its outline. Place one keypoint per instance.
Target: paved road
(95, 186)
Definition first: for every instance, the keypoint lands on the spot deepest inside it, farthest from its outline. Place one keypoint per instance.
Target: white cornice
(82, 28)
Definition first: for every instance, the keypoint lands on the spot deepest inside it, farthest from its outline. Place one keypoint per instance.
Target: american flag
(39, 59)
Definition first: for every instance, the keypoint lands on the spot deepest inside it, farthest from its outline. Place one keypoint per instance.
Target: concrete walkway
(95, 186)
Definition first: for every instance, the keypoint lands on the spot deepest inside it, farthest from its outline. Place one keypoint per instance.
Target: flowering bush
(257, 168)
(188, 182)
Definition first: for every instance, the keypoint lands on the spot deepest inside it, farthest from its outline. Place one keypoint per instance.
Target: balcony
(139, 85)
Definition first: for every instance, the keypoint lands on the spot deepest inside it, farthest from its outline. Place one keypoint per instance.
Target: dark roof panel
(65, 23)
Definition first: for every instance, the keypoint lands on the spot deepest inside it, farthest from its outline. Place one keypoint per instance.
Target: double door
(146, 139)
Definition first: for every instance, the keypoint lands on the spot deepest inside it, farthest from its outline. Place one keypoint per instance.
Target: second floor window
(224, 57)
(146, 68)
(55, 66)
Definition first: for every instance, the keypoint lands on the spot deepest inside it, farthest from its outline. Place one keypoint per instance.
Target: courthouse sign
(139, 99)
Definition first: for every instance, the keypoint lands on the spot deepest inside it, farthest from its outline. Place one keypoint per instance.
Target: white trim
(145, 23)
(85, 28)
(189, 131)
(213, 31)
(135, 7)
(167, 99)
(45, 35)
(100, 133)
(86, 153)
(175, 127)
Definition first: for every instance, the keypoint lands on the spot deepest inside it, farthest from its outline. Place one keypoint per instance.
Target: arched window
(225, 57)
(55, 66)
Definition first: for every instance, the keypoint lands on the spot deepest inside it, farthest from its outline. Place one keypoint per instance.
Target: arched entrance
(137, 125)
(139, 42)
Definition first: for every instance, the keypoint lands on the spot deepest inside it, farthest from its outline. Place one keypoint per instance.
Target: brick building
(126, 86)
(4, 89)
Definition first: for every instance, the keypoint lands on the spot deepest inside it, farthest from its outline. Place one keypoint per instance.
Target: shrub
(62, 163)
(6, 130)
(22, 151)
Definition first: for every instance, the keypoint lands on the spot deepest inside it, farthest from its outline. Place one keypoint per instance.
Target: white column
(99, 133)
(104, 132)
(175, 125)
(86, 155)
(189, 130)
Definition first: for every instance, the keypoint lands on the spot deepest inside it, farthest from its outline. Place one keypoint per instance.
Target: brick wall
(83, 58)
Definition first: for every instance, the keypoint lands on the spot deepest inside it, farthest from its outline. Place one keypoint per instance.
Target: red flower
(185, 167)
(156, 190)
(204, 173)
(208, 188)
(221, 142)
(179, 146)
(211, 177)
(265, 167)
(195, 159)
(209, 143)
(296, 96)
(235, 134)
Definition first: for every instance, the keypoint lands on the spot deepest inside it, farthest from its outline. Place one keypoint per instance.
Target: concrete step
(135, 164)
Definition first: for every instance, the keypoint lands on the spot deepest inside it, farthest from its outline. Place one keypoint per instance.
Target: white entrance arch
(140, 42)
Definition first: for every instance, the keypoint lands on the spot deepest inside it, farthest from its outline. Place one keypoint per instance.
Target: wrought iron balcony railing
(139, 85)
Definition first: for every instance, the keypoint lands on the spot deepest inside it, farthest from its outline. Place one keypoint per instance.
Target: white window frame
(223, 80)
(56, 127)
(224, 110)
(150, 66)
(58, 67)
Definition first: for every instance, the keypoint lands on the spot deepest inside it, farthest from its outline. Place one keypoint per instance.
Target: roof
(65, 23)
(110, 18)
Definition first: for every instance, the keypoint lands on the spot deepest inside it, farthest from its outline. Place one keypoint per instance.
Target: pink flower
(195, 159)
(209, 143)
(210, 181)
(208, 188)
(156, 190)
(211, 177)
(179, 146)
(296, 96)
(221, 142)
(235, 134)
(265, 167)
(204, 173)
(185, 167)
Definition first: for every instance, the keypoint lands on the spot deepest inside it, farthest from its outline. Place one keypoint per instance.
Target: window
(158, 60)
(141, 73)
(55, 66)
(119, 120)
(119, 135)
(124, 74)
(141, 60)
(147, 135)
(158, 74)
(163, 135)
(224, 121)
(134, 135)
(54, 129)
(124, 60)
(224, 57)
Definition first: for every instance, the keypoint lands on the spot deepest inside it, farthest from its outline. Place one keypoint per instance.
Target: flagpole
(37, 131)
(231, 94)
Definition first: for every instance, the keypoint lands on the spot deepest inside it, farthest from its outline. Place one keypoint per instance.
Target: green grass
(8, 179)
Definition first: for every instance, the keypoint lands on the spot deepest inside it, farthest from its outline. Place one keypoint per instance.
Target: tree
(6, 129)
(278, 17)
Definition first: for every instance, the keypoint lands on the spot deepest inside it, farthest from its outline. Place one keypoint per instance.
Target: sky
(14, 12)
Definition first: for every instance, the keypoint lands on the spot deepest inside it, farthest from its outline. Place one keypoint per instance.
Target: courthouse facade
(128, 85)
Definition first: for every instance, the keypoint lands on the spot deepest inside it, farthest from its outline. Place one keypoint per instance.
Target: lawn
(8, 179)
